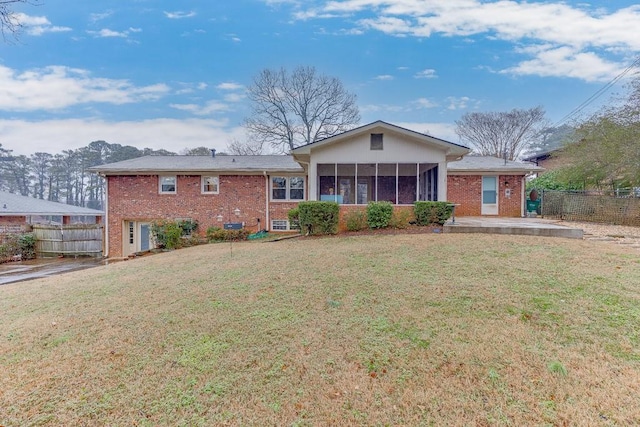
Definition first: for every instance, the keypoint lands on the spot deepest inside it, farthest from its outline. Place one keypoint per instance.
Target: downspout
(267, 225)
(105, 251)
(523, 197)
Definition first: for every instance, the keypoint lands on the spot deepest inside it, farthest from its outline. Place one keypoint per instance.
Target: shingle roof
(491, 164)
(177, 164)
(17, 205)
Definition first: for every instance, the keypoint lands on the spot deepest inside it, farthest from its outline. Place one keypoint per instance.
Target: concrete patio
(519, 226)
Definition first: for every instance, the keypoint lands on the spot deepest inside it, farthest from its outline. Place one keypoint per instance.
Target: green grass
(370, 330)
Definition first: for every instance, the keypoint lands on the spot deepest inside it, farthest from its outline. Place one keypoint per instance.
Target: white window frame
(283, 225)
(287, 179)
(175, 184)
(217, 184)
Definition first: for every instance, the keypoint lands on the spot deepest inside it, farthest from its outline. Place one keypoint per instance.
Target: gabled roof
(17, 205)
(451, 148)
(474, 163)
(200, 164)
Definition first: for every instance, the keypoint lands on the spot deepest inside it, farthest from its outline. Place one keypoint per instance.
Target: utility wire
(599, 93)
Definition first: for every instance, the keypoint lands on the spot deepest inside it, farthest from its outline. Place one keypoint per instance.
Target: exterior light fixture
(236, 211)
(219, 217)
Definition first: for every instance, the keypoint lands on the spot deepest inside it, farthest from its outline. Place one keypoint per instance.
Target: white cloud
(591, 35)
(38, 25)
(426, 74)
(384, 77)
(106, 32)
(180, 14)
(209, 108)
(54, 136)
(57, 87)
(229, 86)
(424, 103)
(234, 97)
(95, 17)
(461, 103)
(446, 131)
(566, 62)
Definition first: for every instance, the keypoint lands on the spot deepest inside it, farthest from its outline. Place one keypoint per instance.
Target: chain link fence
(620, 207)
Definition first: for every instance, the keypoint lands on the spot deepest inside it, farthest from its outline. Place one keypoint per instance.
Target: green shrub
(294, 218)
(356, 220)
(429, 213)
(23, 244)
(188, 226)
(318, 217)
(27, 245)
(379, 214)
(167, 234)
(217, 234)
(401, 218)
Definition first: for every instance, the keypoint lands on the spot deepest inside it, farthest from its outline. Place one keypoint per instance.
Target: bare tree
(253, 147)
(9, 22)
(501, 134)
(289, 110)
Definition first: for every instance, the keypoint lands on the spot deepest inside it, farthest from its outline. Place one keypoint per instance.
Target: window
(284, 225)
(210, 184)
(131, 232)
(287, 188)
(376, 141)
(280, 225)
(168, 184)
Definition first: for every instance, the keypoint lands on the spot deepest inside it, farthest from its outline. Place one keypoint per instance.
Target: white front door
(489, 195)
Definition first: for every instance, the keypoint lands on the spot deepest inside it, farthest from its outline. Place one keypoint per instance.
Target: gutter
(267, 226)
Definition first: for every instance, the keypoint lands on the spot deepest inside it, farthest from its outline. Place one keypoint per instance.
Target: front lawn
(416, 329)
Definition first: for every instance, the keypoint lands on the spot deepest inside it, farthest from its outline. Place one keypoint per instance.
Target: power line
(599, 93)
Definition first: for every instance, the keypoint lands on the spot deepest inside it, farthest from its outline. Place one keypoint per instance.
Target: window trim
(287, 188)
(202, 184)
(376, 142)
(175, 184)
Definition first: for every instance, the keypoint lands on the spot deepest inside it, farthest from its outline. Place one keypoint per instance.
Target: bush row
(322, 217)
(217, 234)
(20, 245)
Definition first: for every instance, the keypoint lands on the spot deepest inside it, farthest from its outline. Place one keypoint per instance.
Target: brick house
(18, 212)
(375, 162)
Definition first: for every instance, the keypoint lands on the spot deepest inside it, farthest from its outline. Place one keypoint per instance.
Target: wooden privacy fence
(69, 240)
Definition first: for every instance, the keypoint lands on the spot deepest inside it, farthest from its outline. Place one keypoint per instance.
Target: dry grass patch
(374, 330)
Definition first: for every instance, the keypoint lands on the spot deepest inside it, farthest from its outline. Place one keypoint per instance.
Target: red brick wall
(136, 198)
(466, 190)
(12, 224)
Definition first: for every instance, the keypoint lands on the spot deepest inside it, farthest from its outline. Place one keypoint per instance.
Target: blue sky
(173, 75)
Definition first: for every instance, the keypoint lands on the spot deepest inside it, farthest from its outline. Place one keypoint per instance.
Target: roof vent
(213, 152)
(233, 160)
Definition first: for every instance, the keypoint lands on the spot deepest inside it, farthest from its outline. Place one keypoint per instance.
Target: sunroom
(378, 162)
(361, 183)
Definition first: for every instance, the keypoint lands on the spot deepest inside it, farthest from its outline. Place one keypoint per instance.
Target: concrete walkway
(520, 226)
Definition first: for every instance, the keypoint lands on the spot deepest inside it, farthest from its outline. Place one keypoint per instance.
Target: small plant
(557, 368)
(319, 217)
(379, 214)
(294, 219)
(167, 234)
(217, 234)
(432, 213)
(356, 220)
(401, 219)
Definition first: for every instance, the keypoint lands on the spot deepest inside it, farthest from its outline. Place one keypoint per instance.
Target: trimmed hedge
(428, 213)
(217, 234)
(318, 217)
(379, 214)
(356, 220)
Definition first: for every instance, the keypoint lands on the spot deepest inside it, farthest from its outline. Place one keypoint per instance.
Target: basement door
(489, 195)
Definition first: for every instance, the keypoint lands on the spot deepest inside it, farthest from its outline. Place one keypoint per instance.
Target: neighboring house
(548, 160)
(17, 212)
(375, 162)
(486, 185)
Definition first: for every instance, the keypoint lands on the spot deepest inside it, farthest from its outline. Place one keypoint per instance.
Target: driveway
(33, 269)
